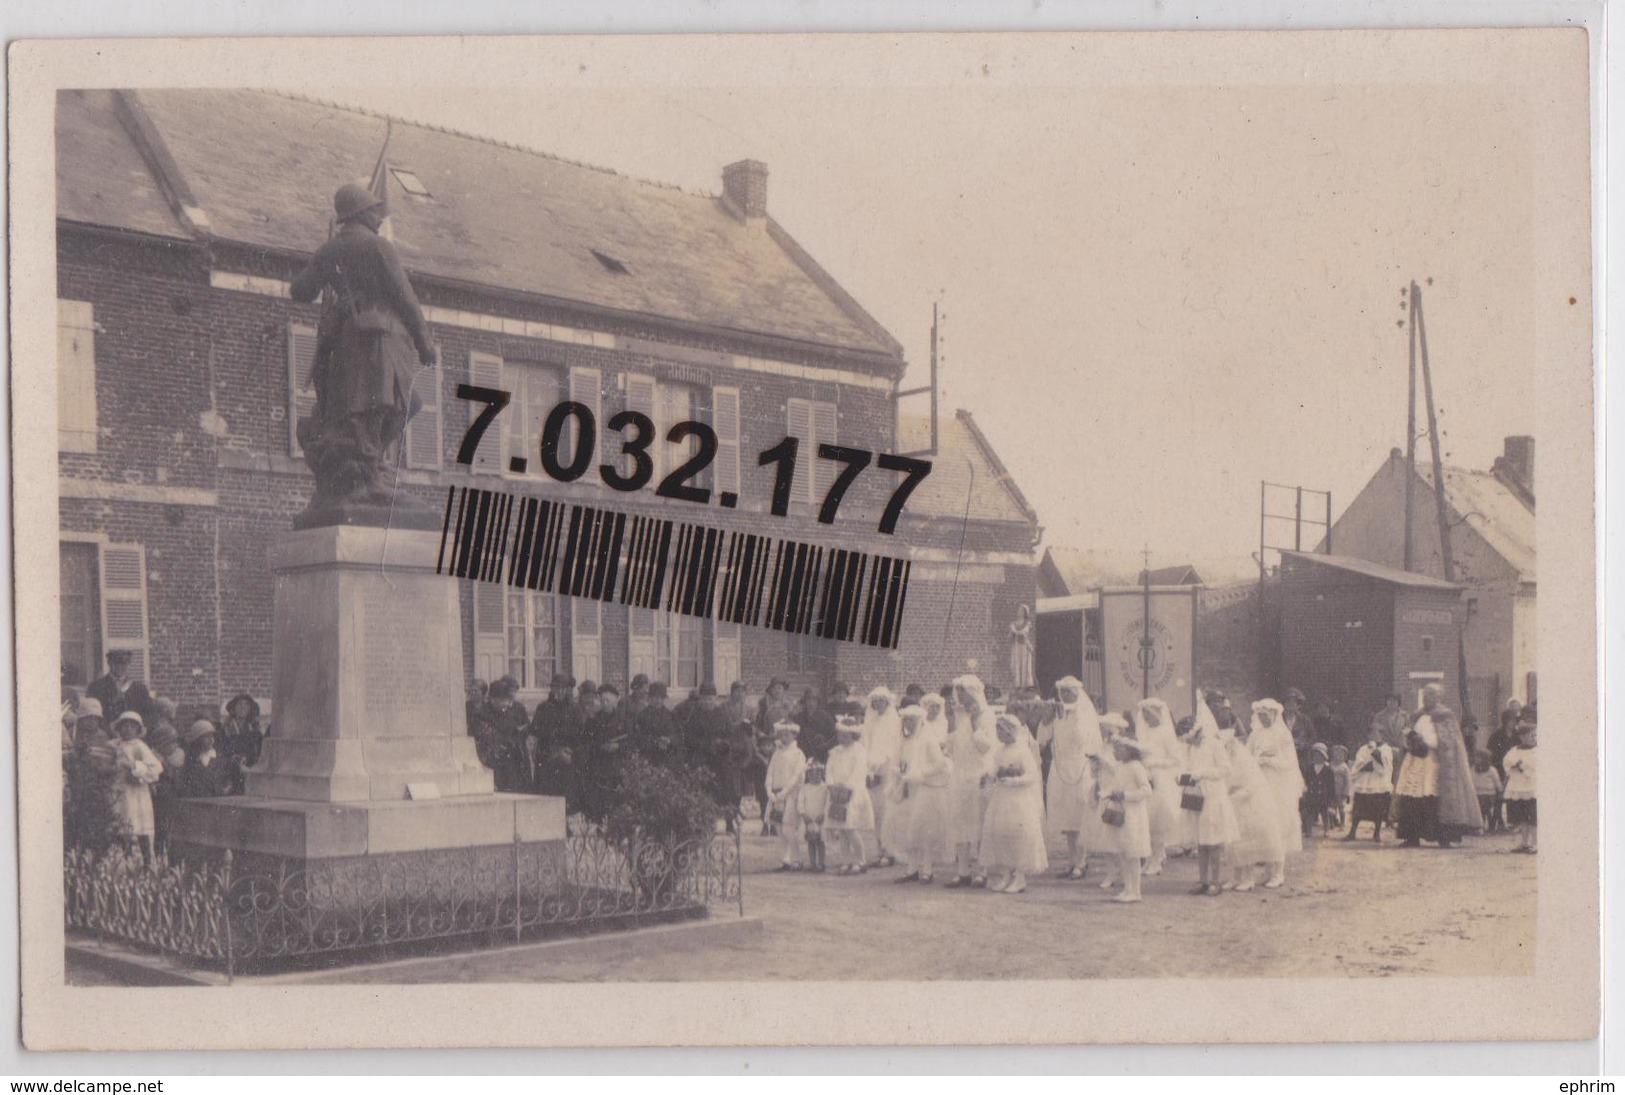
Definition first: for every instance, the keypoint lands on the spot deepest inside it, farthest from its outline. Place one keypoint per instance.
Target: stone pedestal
(367, 671)
(368, 701)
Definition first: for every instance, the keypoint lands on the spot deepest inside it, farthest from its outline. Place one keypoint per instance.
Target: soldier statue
(371, 342)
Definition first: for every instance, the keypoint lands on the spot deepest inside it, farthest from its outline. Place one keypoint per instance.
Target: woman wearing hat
(241, 737)
(204, 773)
(1125, 814)
(139, 768)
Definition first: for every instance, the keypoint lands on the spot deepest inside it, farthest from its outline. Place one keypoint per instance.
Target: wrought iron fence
(230, 914)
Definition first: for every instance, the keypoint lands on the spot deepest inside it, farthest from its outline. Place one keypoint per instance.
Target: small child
(812, 806)
(1320, 786)
(1125, 817)
(1341, 778)
(1520, 787)
(1372, 785)
(1487, 785)
(1013, 827)
(138, 768)
(785, 772)
(851, 816)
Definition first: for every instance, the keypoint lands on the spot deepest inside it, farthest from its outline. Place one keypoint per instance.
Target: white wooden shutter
(75, 376)
(485, 371)
(642, 655)
(301, 392)
(490, 632)
(725, 420)
(825, 471)
(586, 640)
(726, 655)
(586, 388)
(124, 604)
(800, 425)
(424, 441)
(640, 396)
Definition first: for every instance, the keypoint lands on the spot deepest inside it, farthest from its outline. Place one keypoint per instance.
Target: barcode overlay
(657, 563)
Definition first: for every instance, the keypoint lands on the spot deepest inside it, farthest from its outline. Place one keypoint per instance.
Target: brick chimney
(1516, 467)
(744, 188)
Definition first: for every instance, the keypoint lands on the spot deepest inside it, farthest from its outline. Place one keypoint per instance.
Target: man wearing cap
(817, 735)
(604, 735)
(657, 734)
(553, 746)
(116, 692)
(372, 340)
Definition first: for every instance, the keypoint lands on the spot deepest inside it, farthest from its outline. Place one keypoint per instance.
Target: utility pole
(1410, 439)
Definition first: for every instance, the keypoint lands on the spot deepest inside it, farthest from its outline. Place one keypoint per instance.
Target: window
(536, 389)
(726, 655)
(517, 633)
(1427, 643)
(81, 614)
(301, 391)
(666, 405)
(75, 376)
(666, 646)
(814, 423)
(410, 182)
(610, 263)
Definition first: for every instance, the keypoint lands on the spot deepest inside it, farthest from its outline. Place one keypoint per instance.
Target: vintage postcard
(805, 539)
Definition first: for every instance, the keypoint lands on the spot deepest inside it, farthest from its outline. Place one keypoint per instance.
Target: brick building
(1353, 631)
(1491, 517)
(183, 367)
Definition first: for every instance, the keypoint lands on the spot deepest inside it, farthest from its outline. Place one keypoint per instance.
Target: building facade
(1491, 518)
(183, 367)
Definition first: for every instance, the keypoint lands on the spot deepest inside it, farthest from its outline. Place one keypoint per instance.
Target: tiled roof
(1491, 509)
(100, 177)
(964, 471)
(262, 168)
(1371, 570)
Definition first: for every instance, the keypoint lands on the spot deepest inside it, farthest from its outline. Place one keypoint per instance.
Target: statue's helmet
(352, 199)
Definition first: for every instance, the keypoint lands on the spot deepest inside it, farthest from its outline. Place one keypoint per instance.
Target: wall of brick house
(1373, 528)
(1425, 626)
(1229, 656)
(1338, 640)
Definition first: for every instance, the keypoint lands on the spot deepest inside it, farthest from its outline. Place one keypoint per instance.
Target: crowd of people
(117, 735)
(950, 779)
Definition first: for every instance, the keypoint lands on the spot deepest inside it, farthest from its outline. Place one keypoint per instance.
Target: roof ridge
(453, 131)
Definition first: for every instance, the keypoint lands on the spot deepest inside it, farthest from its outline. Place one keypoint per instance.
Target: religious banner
(1149, 637)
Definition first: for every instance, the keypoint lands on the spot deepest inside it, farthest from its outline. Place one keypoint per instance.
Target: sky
(1155, 297)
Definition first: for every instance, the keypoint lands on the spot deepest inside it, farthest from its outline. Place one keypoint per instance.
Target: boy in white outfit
(785, 772)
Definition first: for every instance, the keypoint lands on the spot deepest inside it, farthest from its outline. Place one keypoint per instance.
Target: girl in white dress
(138, 769)
(1258, 829)
(1128, 799)
(882, 740)
(1208, 776)
(1012, 841)
(850, 822)
(785, 771)
(1100, 838)
(971, 743)
(1271, 745)
(1154, 730)
(924, 785)
(1073, 736)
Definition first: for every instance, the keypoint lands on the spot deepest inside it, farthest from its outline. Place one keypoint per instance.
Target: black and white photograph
(1048, 520)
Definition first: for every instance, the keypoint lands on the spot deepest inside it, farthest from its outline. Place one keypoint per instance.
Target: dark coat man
(505, 726)
(557, 728)
(656, 730)
(607, 734)
(117, 693)
(817, 736)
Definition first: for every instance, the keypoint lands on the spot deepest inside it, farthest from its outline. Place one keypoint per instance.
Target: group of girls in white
(965, 793)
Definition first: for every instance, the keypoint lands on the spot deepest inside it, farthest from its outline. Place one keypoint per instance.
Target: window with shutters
(666, 404)
(517, 633)
(586, 640)
(725, 420)
(726, 655)
(536, 389)
(301, 391)
(491, 457)
(813, 422)
(424, 442)
(75, 376)
(124, 604)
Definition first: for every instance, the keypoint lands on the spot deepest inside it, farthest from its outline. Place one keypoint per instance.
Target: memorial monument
(369, 755)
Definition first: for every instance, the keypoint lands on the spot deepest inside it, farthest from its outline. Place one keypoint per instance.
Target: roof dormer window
(610, 262)
(410, 182)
